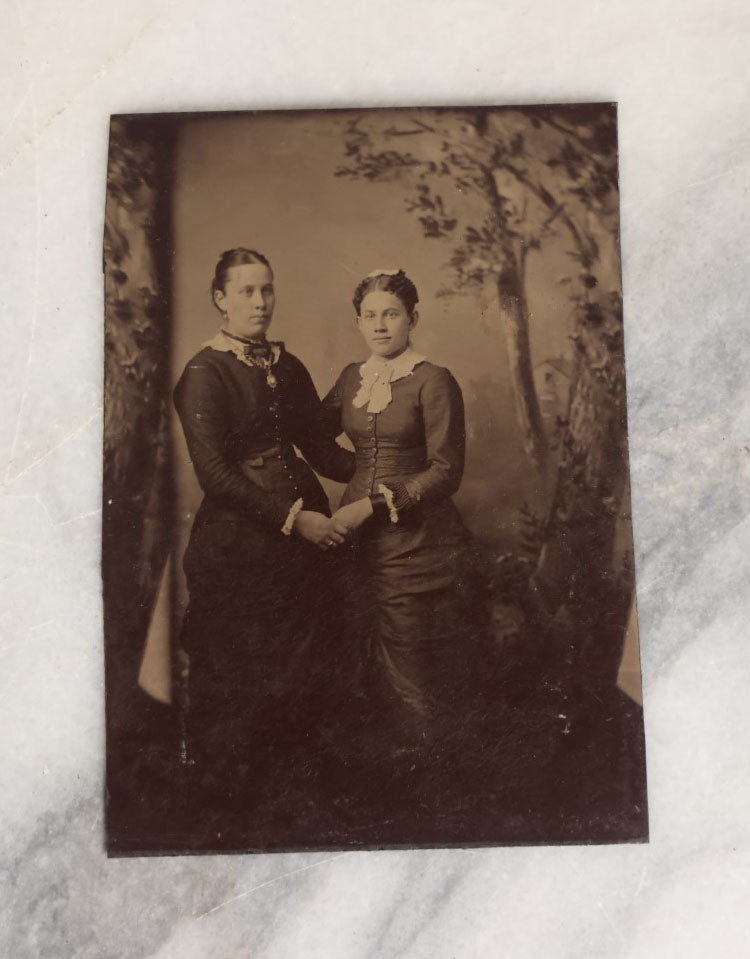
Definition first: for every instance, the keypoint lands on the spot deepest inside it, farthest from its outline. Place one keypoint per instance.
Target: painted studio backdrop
(507, 221)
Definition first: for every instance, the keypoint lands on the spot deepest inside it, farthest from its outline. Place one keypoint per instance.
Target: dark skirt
(415, 602)
(261, 633)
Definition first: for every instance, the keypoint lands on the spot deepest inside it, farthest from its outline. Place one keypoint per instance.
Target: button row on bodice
(285, 459)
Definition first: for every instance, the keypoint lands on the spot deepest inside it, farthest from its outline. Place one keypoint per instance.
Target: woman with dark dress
(256, 564)
(414, 605)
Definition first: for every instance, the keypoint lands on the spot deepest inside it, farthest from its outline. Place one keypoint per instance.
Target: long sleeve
(445, 443)
(317, 430)
(202, 405)
(332, 403)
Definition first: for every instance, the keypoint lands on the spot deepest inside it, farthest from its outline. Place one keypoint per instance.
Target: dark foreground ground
(543, 759)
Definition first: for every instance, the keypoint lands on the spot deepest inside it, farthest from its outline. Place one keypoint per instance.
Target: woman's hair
(389, 281)
(229, 258)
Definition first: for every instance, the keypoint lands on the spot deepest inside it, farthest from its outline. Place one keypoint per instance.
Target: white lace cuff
(288, 526)
(390, 502)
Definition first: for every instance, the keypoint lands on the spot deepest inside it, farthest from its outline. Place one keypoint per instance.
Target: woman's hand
(322, 530)
(354, 514)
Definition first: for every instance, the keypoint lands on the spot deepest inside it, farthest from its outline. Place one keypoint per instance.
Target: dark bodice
(418, 439)
(240, 434)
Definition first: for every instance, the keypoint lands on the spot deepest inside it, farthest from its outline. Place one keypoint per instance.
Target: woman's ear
(220, 300)
(413, 319)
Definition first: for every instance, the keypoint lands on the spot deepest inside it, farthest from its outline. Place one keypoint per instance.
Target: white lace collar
(225, 344)
(377, 375)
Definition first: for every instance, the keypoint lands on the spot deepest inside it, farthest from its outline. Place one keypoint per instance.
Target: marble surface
(680, 73)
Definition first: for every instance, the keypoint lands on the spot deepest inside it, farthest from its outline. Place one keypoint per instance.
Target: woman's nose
(380, 324)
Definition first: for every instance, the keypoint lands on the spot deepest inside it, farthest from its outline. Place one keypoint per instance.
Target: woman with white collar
(262, 601)
(408, 556)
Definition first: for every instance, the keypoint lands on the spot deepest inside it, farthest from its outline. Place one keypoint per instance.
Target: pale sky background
(266, 181)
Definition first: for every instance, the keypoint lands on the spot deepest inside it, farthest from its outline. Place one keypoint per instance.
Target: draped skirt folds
(416, 605)
(297, 654)
(261, 633)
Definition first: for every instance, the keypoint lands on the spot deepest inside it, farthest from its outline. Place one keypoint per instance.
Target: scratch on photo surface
(270, 882)
(605, 913)
(682, 189)
(35, 498)
(69, 435)
(643, 881)
(16, 544)
(78, 518)
(101, 71)
(19, 106)
(35, 280)
(52, 523)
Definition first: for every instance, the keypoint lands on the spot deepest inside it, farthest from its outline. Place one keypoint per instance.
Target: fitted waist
(377, 465)
(276, 468)
(267, 456)
(390, 459)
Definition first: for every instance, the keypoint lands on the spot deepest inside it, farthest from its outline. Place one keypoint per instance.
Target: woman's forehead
(255, 274)
(380, 300)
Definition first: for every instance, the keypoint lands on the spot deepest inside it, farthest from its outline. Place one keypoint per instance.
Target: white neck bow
(378, 374)
(226, 344)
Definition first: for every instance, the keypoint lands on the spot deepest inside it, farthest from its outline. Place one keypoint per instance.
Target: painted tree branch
(514, 318)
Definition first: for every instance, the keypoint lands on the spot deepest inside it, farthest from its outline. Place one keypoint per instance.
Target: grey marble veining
(681, 77)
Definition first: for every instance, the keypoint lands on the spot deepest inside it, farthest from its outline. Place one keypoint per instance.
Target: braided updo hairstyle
(390, 281)
(229, 258)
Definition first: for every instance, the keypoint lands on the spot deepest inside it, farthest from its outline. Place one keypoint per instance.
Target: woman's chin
(386, 351)
(255, 331)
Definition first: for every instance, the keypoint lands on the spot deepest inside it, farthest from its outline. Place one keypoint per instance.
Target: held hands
(324, 531)
(351, 516)
(328, 533)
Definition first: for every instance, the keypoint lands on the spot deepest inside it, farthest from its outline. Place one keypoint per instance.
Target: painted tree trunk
(136, 509)
(514, 320)
(580, 583)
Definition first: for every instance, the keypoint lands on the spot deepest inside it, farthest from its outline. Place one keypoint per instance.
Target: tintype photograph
(367, 547)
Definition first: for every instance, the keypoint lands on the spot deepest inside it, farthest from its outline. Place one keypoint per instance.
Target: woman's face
(248, 299)
(385, 324)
